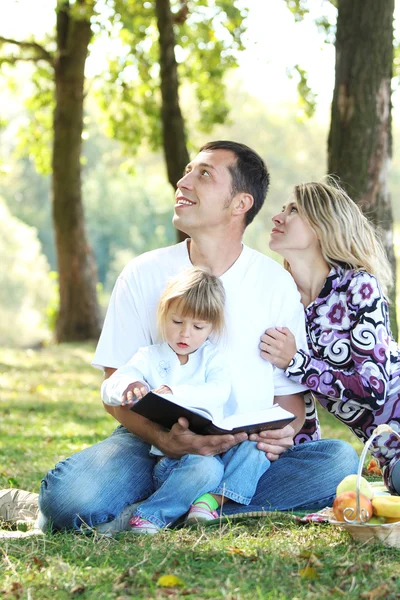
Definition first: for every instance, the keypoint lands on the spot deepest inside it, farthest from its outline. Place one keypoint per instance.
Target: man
(219, 194)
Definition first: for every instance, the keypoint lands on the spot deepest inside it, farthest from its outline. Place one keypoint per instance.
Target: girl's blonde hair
(200, 295)
(346, 236)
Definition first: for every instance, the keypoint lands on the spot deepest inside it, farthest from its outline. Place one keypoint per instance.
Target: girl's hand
(163, 389)
(278, 346)
(134, 392)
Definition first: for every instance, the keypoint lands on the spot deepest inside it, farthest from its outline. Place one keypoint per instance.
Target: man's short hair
(249, 173)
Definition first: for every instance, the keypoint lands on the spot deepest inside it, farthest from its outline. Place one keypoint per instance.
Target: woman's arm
(366, 346)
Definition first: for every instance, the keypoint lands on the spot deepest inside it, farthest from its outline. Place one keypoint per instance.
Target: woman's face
(292, 233)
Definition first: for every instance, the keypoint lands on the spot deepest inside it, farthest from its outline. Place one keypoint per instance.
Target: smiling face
(204, 193)
(184, 334)
(292, 233)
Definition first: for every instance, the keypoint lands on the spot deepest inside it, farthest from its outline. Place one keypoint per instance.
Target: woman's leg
(93, 486)
(305, 477)
(179, 483)
(244, 465)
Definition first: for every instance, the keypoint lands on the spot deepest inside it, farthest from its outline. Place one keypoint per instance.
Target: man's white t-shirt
(259, 294)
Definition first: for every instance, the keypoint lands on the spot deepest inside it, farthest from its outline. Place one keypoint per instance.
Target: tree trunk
(360, 142)
(79, 315)
(173, 127)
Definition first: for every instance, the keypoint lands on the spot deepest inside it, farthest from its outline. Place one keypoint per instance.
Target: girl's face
(291, 232)
(184, 334)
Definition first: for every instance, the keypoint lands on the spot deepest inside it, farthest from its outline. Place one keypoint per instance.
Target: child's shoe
(203, 509)
(139, 525)
(201, 512)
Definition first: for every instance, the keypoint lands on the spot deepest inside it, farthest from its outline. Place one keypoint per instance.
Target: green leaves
(207, 41)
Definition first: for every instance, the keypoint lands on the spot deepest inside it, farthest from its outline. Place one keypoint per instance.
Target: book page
(274, 413)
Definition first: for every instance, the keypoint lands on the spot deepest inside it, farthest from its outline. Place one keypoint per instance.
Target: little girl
(190, 367)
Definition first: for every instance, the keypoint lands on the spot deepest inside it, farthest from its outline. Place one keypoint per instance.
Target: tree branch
(40, 52)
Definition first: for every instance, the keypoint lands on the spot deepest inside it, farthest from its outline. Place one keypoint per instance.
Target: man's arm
(179, 440)
(277, 441)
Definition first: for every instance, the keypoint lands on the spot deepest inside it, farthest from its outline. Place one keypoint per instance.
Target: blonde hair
(346, 236)
(200, 295)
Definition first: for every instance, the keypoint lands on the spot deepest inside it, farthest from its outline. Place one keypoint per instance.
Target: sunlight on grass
(50, 407)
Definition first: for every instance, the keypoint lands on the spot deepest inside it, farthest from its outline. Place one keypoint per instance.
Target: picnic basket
(386, 533)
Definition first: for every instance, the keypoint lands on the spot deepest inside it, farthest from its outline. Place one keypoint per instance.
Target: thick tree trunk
(79, 316)
(360, 142)
(174, 136)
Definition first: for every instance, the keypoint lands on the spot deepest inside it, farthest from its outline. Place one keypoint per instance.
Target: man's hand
(163, 389)
(278, 346)
(134, 392)
(180, 441)
(274, 442)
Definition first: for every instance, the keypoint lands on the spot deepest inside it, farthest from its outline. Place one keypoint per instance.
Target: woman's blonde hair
(200, 295)
(346, 236)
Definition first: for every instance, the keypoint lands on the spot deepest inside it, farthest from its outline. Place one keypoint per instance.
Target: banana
(386, 506)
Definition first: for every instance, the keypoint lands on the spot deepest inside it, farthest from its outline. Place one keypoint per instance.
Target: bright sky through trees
(274, 44)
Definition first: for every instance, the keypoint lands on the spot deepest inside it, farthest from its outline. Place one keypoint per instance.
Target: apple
(377, 521)
(349, 484)
(345, 505)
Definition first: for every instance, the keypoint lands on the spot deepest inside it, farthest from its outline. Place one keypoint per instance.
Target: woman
(352, 364)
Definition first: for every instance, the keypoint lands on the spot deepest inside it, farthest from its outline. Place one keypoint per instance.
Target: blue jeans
(178, 483)
(93, 486)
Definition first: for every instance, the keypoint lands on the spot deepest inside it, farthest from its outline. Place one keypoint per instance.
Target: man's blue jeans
(93, 486)
(234, 474)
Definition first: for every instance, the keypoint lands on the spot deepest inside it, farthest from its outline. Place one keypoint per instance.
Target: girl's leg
(179, 483)
(93, 486)
(244, 465)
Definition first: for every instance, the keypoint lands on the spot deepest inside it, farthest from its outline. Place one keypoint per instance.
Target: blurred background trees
(163, 85)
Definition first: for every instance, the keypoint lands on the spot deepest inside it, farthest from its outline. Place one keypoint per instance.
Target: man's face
(204, 193)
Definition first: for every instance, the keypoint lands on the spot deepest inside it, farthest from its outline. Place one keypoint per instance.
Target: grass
(50, 408)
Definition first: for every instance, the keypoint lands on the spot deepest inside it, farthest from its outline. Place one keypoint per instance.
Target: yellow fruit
(345, 505)
(391, 519)
(349, 484)
(386, 506)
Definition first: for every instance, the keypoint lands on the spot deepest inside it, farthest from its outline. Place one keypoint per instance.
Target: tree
(360, 138)
(79, 315)
(146, 78)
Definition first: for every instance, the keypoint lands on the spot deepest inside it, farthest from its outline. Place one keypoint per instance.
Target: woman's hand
(278, 346)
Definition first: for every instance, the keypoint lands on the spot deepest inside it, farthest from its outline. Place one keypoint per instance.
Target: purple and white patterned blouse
(353, 364)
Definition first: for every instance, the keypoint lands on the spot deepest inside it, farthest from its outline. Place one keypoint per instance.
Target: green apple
(349, 484)
(376, 521)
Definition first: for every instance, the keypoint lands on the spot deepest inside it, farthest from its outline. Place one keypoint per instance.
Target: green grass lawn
(50, 408)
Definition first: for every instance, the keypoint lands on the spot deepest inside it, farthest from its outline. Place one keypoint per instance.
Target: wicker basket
(386, 533)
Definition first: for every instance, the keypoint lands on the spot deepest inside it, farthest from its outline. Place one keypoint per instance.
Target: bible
(165, 410)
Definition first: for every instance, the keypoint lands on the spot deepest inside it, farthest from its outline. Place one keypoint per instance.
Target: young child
(191, 368)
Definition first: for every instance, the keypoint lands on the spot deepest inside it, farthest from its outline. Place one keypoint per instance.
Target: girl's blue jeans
(234, 474)
(93, 486)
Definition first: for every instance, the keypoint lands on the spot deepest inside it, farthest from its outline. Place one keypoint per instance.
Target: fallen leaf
(308, 573)
(169, 581)
(379, 592)
(373, 467)
(76, 590)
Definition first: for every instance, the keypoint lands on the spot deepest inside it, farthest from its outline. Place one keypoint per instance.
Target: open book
(164, 410)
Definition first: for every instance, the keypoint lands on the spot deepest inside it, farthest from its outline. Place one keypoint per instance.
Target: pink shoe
(201, 512)
(139, 525)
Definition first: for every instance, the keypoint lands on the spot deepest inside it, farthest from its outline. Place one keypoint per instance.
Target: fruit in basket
(387, 506)
(391, 519)
(377, 521)
(345, 505)
(349, 484)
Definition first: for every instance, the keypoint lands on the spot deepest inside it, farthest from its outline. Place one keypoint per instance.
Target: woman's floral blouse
(353, 364)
